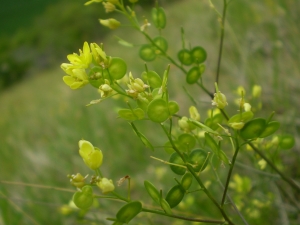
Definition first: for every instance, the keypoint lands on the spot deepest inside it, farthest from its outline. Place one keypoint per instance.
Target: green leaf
(129, 211)
(253, 128)
(271, 128)
(175, 195)
(152, 191)
(158, 110)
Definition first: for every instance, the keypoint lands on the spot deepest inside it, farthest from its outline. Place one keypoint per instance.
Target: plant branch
(183, 218)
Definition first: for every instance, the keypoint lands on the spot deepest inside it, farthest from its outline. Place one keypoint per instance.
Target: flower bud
(109, 7)
(106, 185)
(247, 107)
(105, 89)
(98, 54)
(185, 124)
(77, 180)
(91, 156)
(256, 91)
(194, 114)
(219, 99)
(110, 23)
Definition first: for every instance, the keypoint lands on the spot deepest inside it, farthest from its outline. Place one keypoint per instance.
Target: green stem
(183, 218)
(191, 169)
(285, 178)
(230, 172)
(221, 40)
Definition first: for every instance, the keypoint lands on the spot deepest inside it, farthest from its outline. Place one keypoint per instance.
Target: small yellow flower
(84, 59)
(98, 54)
(91, 156)
(194, 114)
(219, 99)
(77, 180)
(76, 78)
(106, 185)
(105, 89)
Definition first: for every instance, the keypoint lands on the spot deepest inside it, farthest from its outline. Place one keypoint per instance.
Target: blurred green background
(42, 120)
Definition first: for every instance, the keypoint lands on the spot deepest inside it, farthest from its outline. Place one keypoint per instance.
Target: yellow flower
(219, 99)
(106, 185)
(76, 78)
(91, 156)
(98, 54)
(109, 7)
(84, 59)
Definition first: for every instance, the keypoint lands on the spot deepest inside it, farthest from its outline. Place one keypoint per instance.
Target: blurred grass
(42, 120)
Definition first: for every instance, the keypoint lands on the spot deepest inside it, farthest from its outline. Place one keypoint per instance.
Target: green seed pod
(135, 114)
(175, 195)
(185, 57)
(162, 43)
(198, 158)
(198, 54)
(117, 68)
(152, 191)
(175, 159)
(173, 107)
(165, 206)
(152, 78)
(286, 141)
(129, 211)
(84, 199)
(186, 181)
(158, 110)
(159, 17)
(147, 53)
(95, 76)
(187, 141)
(271, 128)
(193, 75)
(253, 128)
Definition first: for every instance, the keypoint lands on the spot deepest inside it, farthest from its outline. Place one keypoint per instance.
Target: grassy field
(42, 120)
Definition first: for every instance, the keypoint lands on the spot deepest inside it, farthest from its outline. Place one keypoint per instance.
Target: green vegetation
(42, 120)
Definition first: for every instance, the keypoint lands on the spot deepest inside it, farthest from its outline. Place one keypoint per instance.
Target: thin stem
(230, 172)
(221, 40)
(285, 178)
(183, 218)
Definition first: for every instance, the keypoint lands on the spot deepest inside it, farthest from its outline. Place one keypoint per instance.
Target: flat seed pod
(117, 68)
(84, 199)
(152, 191)
(286, 141)
(193, 75)
(241, 117)
(186, 181)
(175, 159)
(187, 141)
(175, 195)
(129, 211)
(162, 43)
(147, 53)
(159, 17)
(173, 107)
(271, 128)
(135, 114)
(158, 110)
(185, 57)
(198, 158)
(198, 54)
(253, 128)
(152, 78)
